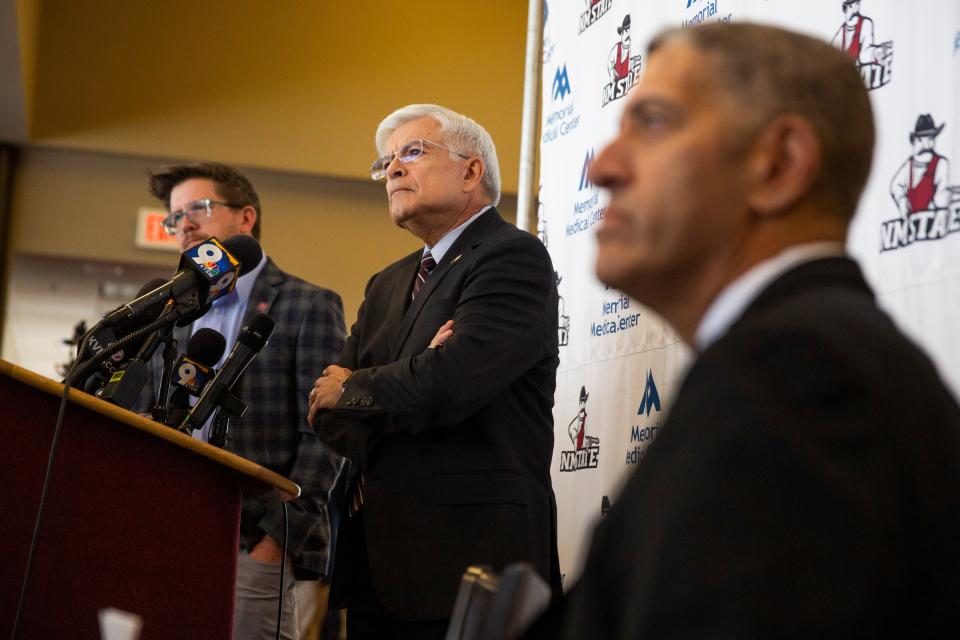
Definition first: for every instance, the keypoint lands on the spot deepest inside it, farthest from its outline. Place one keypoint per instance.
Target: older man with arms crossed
(806, 483)
(450, 446)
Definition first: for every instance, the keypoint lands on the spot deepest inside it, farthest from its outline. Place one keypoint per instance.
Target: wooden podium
(138, 517)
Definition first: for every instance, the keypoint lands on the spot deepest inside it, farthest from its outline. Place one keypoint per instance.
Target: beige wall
(291, 86)
(290, 91)
(333, 232)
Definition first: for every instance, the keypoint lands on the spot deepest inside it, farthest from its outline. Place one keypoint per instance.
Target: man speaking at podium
(210, 199)
(450, 446)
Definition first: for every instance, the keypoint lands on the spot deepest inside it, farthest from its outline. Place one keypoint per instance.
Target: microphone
(206, 272)
(253, 337)
(194, 371)
(104, 336)
(125, 385)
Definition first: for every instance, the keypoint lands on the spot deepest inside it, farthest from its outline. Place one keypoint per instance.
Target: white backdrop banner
(620, 366)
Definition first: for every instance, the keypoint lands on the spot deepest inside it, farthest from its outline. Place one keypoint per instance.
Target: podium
(138, 517)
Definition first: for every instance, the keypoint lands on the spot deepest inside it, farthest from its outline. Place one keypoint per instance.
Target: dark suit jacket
(273, 432)
(455, 443)
(806, 484)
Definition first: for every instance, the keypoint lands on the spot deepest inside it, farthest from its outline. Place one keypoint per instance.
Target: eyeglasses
(410, 152)
(196, 212)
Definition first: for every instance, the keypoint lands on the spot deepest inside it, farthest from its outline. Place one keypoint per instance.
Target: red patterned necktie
(427, 263)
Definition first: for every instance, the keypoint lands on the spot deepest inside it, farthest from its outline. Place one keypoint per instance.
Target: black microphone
(194, 371)
(206, 272)
(105, 336)
(125, 385)
(253, 337)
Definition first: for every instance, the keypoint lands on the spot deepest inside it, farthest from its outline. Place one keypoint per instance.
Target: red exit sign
(150, 233)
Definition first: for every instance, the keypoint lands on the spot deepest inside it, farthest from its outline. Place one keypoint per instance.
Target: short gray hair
(460, 133)
(773, 71)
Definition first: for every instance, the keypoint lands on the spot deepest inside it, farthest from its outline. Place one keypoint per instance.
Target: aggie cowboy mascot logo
(624, 69)
(586, 452)
(929, 207)
(855, 36)
(921, 182)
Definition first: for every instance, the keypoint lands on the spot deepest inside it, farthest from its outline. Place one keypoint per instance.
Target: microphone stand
(84, 369)
(230, 406)
(170, 353)
(220, 428)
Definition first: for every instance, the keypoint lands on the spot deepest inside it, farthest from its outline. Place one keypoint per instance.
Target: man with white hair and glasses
(442, 398)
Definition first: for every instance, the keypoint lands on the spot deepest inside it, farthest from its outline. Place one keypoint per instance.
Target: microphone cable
(54, 441)
(283, 564)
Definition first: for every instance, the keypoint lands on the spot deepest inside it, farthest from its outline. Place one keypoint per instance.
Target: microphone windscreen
(246, 250)
(150, 286)
(128, 326)
(150, 314)
(206, 346)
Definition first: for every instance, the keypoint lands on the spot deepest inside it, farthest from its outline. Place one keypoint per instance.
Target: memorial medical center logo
(596, 9)
(562, 117)
(586, 208)
(928, 206)
(623, 68)
(856, 37)
(644, 430)
(703, 10)
(586, 451)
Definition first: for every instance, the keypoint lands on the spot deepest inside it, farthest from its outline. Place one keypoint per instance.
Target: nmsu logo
(561, 84)
(596, 9)
(563, 320)
(928, 205)
(856, 37)
(623, 69)
(586, 451)
(543, 229)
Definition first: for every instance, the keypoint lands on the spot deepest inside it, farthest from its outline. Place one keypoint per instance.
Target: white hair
(460, 133)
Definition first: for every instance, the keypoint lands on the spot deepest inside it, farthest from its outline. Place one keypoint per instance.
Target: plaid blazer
(273, 432)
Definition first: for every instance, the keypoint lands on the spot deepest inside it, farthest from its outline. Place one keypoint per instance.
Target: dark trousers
(366, 617)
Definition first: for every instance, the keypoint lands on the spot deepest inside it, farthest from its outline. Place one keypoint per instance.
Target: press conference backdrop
(620, 366)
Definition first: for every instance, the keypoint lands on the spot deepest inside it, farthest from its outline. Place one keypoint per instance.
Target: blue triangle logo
(651, 398)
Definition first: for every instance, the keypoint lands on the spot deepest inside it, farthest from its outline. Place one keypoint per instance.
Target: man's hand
(443, 333)
(267, 550)
(327, 390)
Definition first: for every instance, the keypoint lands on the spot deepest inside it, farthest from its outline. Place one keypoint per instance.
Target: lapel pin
(262, 307)
(454, 261)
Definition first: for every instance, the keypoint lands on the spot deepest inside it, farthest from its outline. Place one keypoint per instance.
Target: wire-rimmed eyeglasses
(409, 152)
(197, 211)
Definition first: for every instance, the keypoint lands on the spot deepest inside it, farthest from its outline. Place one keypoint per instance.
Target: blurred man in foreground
(807, 480)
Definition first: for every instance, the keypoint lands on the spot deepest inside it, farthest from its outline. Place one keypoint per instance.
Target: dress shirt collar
(444, 243)
(727, 307)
